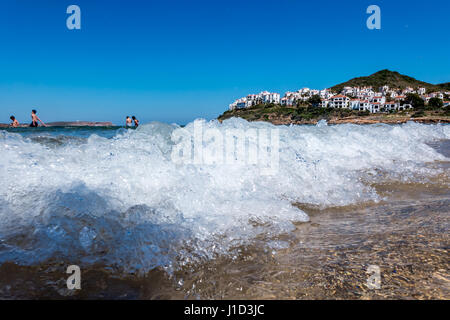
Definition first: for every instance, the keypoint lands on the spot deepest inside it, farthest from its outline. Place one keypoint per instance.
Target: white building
(438, 95)
(292, 97)
(408, 90)
(354, 104)
(304, 91)
(349, 91)
(288, 100)
(325, 94)
(378, 99)
(384, 89)
(325, 103)
(339, 101)
(364, 105)
(270, 97)
(254, 99)
(375, 107)
(426, 98)
(239, 104)
(400, 98)
(391, 106)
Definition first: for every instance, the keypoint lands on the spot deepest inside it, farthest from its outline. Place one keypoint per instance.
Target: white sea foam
(124, 202)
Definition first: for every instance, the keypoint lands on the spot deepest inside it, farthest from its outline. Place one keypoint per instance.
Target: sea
(343, 200)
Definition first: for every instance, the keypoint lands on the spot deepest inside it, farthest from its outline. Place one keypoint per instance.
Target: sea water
(115, 197)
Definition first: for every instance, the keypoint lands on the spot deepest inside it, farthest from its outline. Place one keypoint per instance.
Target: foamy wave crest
(124, 202)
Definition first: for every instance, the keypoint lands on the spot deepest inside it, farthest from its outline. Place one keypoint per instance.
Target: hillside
(444, 86)
(306, 113)
(392, 79)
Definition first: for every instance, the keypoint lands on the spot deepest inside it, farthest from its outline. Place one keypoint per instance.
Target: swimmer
(136, 121)
(14, 122)
(35, 119)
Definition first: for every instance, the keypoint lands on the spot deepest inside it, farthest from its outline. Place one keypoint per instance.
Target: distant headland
(383, 97)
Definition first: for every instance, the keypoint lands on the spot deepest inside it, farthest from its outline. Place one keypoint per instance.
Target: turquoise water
(80, 132)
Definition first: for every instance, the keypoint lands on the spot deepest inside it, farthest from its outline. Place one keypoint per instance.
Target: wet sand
(407, 237)
(328, 257)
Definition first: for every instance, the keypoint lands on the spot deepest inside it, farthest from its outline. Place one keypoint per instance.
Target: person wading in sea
(128, 122)
(14, 122)
(35, 119)
(136, 121)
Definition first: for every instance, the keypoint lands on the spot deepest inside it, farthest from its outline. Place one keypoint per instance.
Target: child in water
(136, 121)
(128, 122)
(35, 119)
(14, 122)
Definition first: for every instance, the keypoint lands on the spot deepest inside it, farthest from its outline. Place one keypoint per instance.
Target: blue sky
(175, 61)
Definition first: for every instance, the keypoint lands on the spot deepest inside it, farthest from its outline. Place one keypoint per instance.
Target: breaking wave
(123, 202)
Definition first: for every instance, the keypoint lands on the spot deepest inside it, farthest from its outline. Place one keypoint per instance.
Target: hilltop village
(373, 100)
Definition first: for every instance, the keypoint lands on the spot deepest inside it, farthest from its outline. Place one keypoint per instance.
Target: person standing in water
(35, 119)
(14, 122)
(128, 122)
(136, 121)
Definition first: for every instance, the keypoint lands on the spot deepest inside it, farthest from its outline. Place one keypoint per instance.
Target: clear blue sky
(175, 61)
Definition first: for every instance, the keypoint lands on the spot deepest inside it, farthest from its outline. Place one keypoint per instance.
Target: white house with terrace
(339, 101)
(254, 99)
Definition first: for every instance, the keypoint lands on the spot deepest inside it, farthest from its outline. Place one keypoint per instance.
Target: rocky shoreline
(309, 115)
(359, 120)
(372, 119)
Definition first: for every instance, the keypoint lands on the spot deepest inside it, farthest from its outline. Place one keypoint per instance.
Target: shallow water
(141, 226)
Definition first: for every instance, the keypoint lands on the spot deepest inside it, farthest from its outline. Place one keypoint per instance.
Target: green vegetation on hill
(392, 79)
(444, 86)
